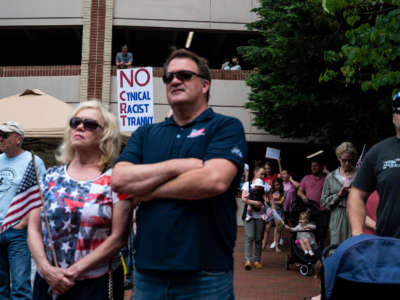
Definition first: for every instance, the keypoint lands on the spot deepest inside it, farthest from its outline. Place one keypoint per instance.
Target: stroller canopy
(366, 259)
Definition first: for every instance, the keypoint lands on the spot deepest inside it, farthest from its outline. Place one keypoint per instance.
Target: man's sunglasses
(88, 124)
(4, 135)
(183, 75)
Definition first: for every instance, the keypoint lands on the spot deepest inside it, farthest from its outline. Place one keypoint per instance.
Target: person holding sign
(183, 172)
(276, 198)
(269, 177)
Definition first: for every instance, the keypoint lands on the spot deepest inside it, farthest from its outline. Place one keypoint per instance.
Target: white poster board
(135, 98)
(273, 153)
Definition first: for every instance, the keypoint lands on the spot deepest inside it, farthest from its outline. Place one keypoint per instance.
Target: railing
(75, 70)
(27, 71)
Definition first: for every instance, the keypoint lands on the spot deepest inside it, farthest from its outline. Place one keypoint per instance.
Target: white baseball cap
(12, 127)
(258, 182)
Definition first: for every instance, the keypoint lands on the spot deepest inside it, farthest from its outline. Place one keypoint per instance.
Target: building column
(96, 50)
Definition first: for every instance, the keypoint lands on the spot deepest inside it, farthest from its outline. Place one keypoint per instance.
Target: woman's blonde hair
(110, 141)
(346, 147)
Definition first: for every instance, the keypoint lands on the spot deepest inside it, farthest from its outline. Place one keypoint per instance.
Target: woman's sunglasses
(88, 124)
(183, 75)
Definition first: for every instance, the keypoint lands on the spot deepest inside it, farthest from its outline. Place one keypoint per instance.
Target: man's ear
(206, 85)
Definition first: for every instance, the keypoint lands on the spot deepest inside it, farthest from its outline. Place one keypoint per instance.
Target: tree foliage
(370, 56)
(287, 97)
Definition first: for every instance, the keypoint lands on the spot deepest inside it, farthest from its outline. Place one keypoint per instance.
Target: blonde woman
(88, 222)
(335, 191)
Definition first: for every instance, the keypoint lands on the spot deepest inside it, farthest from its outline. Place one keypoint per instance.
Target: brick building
(67, 49)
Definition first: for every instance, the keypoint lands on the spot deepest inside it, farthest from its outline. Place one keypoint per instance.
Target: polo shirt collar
(207, 114)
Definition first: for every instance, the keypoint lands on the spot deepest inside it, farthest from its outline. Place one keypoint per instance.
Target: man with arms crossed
(380, 170)
(184, 172)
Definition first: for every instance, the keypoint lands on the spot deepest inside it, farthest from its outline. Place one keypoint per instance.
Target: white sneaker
(281, 242)
(272, 245)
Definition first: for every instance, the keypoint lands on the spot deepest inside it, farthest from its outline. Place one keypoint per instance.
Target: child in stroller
(304, 247)
(305, 237)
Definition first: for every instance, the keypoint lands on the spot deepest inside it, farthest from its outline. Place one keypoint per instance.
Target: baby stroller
(297, 255)
(367, 266)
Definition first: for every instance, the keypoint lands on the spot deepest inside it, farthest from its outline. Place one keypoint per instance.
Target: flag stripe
(22, 206)
(14, 218)
(26, 198)
(21, 201)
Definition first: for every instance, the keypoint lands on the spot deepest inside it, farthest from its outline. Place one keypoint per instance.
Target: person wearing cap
(15, 259)
(124, 58)
(379, 170)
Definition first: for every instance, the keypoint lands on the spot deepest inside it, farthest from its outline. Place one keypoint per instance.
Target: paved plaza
(273, 282)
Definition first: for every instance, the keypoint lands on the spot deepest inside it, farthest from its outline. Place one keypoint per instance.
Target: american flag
(26, 198)
(361, 158)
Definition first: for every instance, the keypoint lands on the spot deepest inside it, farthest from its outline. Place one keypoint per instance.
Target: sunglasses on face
(347, 160)
(88, 124)
(4, 135)
(183, 75)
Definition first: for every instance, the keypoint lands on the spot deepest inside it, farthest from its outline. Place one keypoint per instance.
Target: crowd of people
(181, 177)
(319, 200)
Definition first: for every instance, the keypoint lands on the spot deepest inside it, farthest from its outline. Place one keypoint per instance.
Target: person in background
(254, 226)
(335, 191)
(370, 209)
(276, 198)
(310, 191)
(270, 176)
(290, 187)
(235, 63)
(226, 64)
(88, 223)
(245, 175)
(123, 59)
(305, 239)
(18, 195)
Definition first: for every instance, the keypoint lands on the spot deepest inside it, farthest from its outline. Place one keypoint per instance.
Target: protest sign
(135, 98)
(273, 153)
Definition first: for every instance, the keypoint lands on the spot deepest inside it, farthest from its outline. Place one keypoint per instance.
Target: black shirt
(380, 170)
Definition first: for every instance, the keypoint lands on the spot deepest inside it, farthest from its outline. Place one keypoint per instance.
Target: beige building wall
(194, 14)
(65, 88)
(40, 12)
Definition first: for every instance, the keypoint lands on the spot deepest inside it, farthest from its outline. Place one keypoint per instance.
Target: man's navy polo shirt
(180, 234)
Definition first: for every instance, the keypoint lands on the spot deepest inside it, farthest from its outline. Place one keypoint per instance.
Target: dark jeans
(15, 265)
(96, 288)
(164, 285)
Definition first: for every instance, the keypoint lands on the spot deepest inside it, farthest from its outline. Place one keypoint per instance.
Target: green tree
(286, 96)
(370, 56)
